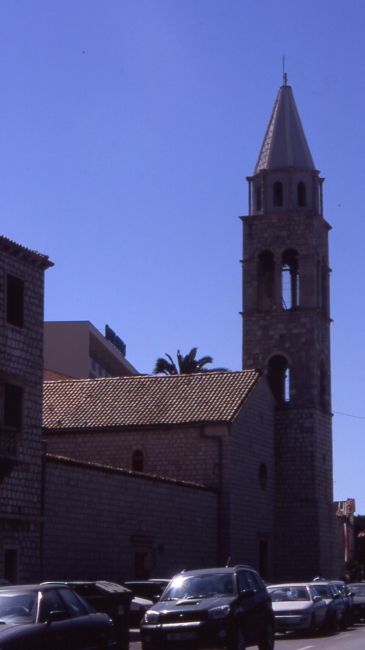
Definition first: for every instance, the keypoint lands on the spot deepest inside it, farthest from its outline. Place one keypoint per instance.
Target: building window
(13, 398)
(137, 461)
(264, 559)
(277, 194)
(258, 198)
(290, 279)
(14, 301)
(263, 476)
(278, 377)
(302, 195)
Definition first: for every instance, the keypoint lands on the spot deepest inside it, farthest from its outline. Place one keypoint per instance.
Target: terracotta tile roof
(146, 400)
(26, 254)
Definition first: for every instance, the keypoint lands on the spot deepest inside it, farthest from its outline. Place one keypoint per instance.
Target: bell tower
(286, 334)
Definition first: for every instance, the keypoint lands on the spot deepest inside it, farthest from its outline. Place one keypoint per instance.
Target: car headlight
(219, 612)
(151, 617)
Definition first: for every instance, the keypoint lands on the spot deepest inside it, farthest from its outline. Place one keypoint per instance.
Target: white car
(297, 607)
(138, 608)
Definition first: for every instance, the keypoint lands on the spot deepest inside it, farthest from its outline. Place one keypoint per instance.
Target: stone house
(21, 385)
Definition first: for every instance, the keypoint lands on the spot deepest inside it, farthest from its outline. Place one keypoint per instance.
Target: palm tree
(186, 365)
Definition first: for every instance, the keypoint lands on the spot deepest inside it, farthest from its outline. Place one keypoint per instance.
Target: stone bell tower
(286, 334)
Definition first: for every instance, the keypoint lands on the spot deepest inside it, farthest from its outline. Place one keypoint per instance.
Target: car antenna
(228, 561)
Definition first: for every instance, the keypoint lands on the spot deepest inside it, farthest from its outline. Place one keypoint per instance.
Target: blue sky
(127, 130)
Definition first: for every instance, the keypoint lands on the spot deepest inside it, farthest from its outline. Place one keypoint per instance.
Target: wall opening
(141, 565)
(302, 195)
(264, 559)
(258, 198)
(14, 301)
(278, 377)
(266, 280)
(13, 398)
(277, 194)
(137, 461)
(290, 279)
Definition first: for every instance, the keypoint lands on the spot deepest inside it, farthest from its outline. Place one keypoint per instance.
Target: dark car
(336, 608)
(211, 608)
(347, 599)
(53, 616)
(358, 594)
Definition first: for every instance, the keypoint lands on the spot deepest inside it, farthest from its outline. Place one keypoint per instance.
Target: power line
(358, 417)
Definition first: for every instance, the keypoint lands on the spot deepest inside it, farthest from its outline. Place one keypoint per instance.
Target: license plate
(181, 636)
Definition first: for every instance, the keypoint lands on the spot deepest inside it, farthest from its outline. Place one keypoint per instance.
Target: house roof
(146, 400)
(284, 144)
(25, 254)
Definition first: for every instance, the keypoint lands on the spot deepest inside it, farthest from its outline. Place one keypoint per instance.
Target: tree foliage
(185, 364)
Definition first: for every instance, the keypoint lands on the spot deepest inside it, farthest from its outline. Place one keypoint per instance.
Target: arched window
(302, 195)
(277, 194)
(290, 279)
(322, 385)
(137, 461)
(258, 198)
(278, 378)
(266, 280)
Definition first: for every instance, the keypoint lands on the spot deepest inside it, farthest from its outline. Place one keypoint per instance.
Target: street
(352, 639)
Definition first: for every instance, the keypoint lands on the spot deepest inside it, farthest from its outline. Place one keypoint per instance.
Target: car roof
(289, 584)
(44, 587)
(228, 570)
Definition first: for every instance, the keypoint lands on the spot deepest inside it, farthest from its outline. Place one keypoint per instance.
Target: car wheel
(238, 641)
(269, 641)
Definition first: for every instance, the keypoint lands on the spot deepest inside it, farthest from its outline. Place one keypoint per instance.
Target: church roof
(146, 400)
(284, 144)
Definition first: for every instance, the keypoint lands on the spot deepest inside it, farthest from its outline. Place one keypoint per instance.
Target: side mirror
(247, 593)
(336, 596)
(316, 599)
(56, 615)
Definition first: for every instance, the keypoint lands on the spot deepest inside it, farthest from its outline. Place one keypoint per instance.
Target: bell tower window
(290, 279)
(258, 198)
(278, 378)
(266, 280)
(302, 195)
(277, 194)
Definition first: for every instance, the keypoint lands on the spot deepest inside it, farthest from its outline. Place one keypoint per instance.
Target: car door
(85, 632)
(259, 606)
(55, 629)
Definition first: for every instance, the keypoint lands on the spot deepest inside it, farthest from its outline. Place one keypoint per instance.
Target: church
(143, 476)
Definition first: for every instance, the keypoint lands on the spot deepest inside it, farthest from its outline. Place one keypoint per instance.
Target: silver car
(297, 607)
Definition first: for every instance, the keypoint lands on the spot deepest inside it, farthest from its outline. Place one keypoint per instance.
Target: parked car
(138, 608)
(211, 608)
(358, 594)
(347, 599)
(151, 589)
(297, 607)
(336, 607)
(40, 617)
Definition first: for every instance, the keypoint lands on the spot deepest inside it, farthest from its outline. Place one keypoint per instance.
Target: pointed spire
(284, 144)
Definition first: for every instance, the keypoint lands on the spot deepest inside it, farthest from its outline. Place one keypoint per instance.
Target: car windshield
(18, 607)
(323, 591)
(359, 590)
(291, 592)
(200, 586)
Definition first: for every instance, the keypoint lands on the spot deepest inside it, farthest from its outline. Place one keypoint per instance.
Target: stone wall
(96, 518)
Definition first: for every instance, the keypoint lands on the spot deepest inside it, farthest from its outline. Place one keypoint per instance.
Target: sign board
(111, 336)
